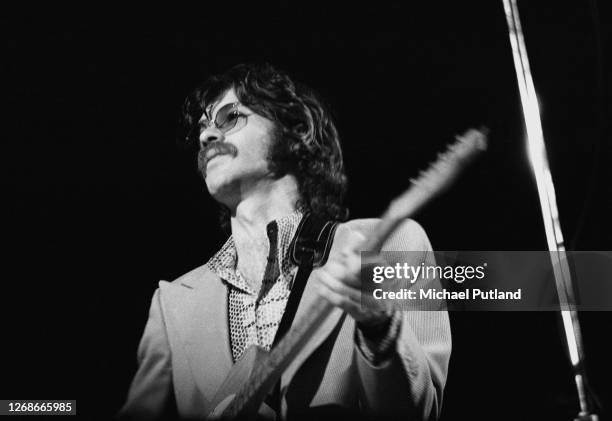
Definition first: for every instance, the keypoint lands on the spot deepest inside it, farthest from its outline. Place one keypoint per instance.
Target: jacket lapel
(201, 324)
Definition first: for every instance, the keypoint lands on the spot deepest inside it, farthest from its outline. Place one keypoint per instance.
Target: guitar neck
(265, 375)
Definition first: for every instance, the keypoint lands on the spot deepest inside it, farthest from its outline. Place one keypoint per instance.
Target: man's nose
(209, 135)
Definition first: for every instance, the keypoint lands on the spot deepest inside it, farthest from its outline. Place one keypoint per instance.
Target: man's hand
(338, 281)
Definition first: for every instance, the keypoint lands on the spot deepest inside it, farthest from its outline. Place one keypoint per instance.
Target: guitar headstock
(440, 174)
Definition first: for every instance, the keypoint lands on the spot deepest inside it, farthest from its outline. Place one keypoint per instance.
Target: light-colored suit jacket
(185, 354)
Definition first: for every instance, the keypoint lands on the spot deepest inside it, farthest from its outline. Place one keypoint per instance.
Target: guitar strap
(308, 249)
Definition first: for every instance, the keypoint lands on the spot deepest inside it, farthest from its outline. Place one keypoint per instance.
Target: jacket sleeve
(150, 396)
(412, 379)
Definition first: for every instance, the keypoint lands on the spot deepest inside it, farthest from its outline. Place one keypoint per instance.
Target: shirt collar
(223, 263)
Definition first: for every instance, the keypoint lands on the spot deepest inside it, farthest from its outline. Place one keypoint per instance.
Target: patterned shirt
(254, 316)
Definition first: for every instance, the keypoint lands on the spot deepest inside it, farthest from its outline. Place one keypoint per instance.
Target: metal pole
(548, 204)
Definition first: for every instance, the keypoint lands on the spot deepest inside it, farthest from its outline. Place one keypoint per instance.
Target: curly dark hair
(305, 142)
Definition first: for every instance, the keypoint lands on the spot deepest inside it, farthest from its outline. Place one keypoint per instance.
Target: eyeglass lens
(225, 120)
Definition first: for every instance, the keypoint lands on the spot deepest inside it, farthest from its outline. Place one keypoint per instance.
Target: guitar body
(234, 381)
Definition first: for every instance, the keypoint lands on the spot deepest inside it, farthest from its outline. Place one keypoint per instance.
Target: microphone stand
(548, 204)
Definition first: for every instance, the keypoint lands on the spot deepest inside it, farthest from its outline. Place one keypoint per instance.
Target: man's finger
(339, 287)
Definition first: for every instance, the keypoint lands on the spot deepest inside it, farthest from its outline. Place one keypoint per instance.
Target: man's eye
(230, 119)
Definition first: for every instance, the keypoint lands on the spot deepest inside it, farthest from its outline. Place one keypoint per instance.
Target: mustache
(214, 148)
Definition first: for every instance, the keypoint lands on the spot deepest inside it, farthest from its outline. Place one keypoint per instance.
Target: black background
(99, 203)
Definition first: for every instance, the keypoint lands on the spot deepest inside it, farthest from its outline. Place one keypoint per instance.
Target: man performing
(270, 155)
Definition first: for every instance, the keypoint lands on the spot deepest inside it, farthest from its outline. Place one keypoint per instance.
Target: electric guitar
(253, 376)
